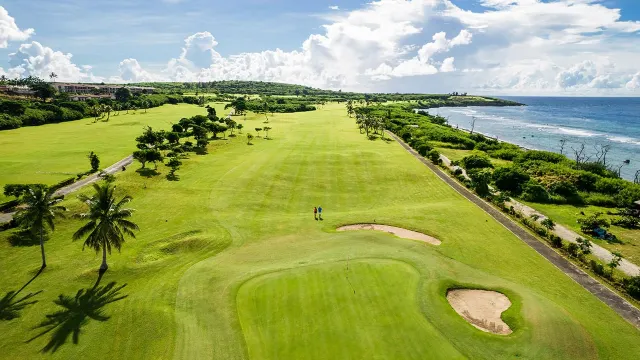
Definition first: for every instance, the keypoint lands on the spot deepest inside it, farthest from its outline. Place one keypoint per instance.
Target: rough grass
(238, 253)
(52, 153)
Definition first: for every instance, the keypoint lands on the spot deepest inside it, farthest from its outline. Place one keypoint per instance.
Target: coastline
(544, 125)
(468, 131)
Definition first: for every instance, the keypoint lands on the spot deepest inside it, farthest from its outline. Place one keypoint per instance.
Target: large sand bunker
(481, 308)
(399, 232)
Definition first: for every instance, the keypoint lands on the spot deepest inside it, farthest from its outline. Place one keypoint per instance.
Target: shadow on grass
(148, 173)
(24, 237)
(76, 312)
(10, 305)
(173, 177)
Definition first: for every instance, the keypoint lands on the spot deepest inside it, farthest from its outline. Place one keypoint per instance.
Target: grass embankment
(52, 153)
(230, 263)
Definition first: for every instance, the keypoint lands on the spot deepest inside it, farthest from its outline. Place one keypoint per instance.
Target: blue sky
(484, 46)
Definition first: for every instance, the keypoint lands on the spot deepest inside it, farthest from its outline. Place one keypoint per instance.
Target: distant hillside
(279, 89)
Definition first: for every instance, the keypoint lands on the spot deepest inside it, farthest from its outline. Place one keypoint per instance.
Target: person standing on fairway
(320, 212)
(315, 213)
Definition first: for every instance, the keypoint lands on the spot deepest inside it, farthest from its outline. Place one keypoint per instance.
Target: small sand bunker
(399, 232)
(481, 308)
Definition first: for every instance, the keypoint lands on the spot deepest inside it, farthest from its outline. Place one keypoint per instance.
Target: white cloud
(334, 7)
(515, 46)
(131, 71)
(9, 31)
(447, 65)
(37, 60)
(422, 64)
(634, 83)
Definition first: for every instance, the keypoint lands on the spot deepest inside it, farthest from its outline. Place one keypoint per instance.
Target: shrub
(610, 186)
(545, 156)
(434, 156)
(627, 222)
(548, 223)
(556, 241)
(423, 148)
(599, 199)
(632, 286)
(510, 179)
(626, 197)
(572, 249)
(480, 179)
(564, 188)
(597, 168)
(505, 154)
(586, 181)
(589, 223)
(532, 191)
(597, 268)
(457, 171)
(7, 122)
(476, 162)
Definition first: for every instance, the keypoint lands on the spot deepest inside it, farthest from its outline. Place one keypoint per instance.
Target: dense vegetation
(536, 176)
(318, 95)
(15, 113)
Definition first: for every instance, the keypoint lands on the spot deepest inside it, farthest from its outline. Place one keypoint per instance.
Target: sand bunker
(399, 232)
(481, 308)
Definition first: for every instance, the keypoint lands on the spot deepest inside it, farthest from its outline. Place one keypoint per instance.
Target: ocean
(547, 120)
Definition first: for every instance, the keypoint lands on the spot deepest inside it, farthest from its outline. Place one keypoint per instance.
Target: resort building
(99, 89)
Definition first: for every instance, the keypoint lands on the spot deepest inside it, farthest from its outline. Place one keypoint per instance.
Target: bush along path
(609, 297)
(565, 234)
(570, 236)
(7, 217)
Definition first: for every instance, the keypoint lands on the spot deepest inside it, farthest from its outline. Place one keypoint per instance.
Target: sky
(501, 47)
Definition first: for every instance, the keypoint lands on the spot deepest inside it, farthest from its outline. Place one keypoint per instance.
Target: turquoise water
(547, 120)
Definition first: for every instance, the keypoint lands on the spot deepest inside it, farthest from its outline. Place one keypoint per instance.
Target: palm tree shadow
(148, 173)
(10, 307)
(76, 312)
(24, 237)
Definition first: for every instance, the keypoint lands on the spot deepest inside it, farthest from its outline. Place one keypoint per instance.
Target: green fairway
(52, 153)
(230, 264)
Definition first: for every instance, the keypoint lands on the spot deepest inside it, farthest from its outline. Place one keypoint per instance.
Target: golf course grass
(230, 263)
(52, 153)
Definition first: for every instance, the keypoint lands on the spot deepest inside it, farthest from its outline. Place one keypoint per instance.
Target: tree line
(16, 113)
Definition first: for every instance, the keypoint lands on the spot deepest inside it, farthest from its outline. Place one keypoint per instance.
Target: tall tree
(123, 94)
(94, 161)
(108, 222)
(53, 76)
(40, 210)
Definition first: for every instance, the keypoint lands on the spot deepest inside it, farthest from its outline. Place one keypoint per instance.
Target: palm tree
(107, 221)
(39, 212)
(53, 76)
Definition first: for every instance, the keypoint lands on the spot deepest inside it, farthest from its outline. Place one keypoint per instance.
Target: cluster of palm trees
(368, 124)
(99, 111)
(107, 217)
